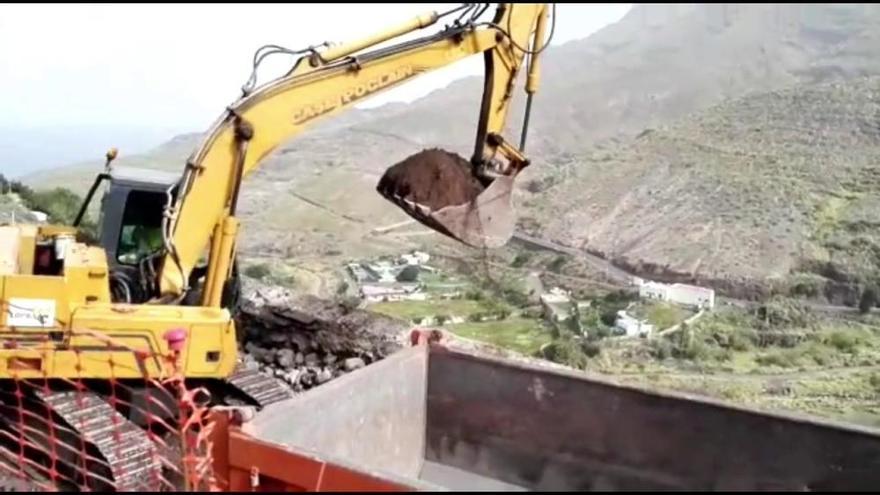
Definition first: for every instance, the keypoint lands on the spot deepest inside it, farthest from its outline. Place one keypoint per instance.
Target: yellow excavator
(161, 275)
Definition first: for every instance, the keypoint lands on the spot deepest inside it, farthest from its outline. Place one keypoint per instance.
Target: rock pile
(306, 341)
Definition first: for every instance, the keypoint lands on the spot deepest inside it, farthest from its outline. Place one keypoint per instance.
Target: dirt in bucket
(434, 178)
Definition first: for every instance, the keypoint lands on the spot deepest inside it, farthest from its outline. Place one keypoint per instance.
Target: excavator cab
(130, 230)
(130, 226)
(131, 214)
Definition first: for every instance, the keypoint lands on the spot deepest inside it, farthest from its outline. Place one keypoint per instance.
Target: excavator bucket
(438, 189)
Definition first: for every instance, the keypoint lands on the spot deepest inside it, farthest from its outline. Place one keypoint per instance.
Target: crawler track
(132, 458)
(261, 388)
(83, 439)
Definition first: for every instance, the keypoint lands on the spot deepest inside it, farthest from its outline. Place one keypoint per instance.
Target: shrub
(874, 381)
(258, 271)
(661, 349)
(781, 359)
(591, 349)
(60, 204)
(515, 297)
(868, 300)
(696, 350)
(599, 332)
(819, 353)
(620, 296)
(609, 317)
(474, 295)
(843, 341)
(410, 273)
(521, 259)
(570, 351)
(739, 341)
(288, 281)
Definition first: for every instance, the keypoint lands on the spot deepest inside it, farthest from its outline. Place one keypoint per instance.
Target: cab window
(141, 232)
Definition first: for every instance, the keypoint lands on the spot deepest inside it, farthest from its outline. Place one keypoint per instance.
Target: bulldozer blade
(486, 222)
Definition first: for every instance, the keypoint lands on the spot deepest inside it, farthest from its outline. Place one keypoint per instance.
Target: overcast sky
(178, 65)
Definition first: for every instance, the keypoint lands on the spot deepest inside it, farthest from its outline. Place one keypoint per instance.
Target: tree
(868, 300)
(609, 317)
(258, 271)
(60, 204)
(520, 259)
(410, 273)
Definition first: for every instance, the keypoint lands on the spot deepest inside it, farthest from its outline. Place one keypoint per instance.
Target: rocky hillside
(754, 188)
(659, 63)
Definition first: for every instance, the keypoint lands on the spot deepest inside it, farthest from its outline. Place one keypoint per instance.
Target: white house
(684, 294)
(632, 327)
(654, 290)
(384, 271)
(415, 258)
(393, 292)
(692, 295)
(40, 216)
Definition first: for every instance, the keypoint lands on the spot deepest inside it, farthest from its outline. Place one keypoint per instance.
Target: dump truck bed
(428, 418)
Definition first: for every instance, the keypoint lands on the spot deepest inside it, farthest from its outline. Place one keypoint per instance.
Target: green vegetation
(60, 204)
(521, 259)
(507, 288)
(778, 356)
(868, 300)
(409, 274)
(274, 273)
(661, 315)
(518, 334)
(410, 310)
(258, 271)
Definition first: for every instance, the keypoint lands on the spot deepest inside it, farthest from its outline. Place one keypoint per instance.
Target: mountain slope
(754, 188)
(658, 64)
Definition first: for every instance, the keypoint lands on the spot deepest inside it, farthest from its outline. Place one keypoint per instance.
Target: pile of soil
(434, 178)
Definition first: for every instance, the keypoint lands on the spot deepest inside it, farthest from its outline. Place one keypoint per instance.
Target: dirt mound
(434, 178)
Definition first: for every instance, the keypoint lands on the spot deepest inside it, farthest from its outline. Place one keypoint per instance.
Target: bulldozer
(161, 277)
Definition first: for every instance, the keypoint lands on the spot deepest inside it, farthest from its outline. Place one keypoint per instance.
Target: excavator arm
(322, 84)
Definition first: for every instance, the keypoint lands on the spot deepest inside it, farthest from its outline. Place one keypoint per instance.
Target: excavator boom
(322, 84)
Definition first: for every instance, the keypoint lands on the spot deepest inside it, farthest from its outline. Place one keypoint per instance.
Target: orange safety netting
(144, 434)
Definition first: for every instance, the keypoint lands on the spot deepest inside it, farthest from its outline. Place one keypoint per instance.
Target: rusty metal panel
(552, 430)
(373, 418)
(243, 463)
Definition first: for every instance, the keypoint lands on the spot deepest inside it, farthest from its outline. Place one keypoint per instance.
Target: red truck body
(429, 418)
